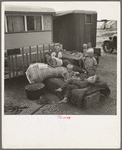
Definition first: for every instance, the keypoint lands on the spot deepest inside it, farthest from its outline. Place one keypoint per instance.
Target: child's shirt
(54, 62)
(89, 64)
(84, 51)
(53, 54)
(59, 61)
(60, 55)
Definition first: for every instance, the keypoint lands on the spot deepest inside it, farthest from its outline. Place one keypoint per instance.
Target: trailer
(28, 32)
(28, 26)
(74, 28)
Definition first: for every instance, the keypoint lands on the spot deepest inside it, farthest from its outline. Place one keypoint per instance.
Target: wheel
(107, 47)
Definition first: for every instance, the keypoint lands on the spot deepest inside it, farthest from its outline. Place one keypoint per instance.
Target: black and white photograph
(62, 60)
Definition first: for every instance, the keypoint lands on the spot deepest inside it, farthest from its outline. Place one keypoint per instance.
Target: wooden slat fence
(18, 63)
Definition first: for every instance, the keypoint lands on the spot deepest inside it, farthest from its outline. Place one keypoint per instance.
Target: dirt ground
(107, 70)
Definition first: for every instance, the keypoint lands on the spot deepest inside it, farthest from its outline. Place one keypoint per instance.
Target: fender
(108, 41)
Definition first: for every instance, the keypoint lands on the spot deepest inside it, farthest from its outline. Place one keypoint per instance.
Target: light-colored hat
(70, 66)
(90, 52)
(84, 45)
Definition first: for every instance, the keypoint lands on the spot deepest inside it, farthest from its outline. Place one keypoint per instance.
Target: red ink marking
(60, 117)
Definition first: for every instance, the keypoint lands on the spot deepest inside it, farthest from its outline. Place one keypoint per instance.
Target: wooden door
(88, 28)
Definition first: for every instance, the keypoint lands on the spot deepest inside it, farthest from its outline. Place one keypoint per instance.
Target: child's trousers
(74, 84)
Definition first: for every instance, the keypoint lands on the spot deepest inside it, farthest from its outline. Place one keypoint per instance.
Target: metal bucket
(34, 91)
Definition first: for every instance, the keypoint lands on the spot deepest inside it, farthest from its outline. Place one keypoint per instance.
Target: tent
(112, 24)
(101, 25)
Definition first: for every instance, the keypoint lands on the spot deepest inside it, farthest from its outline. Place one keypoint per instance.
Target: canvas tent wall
(112, 24)
(101, 25)
(74, 28)
(27, 26)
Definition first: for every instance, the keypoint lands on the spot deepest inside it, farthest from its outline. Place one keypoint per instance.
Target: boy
(57, 52)
(89, 47)
(81, 57)
(69, 75)
(84, 49)
(53, 62)
(90, 62)
(76, 84)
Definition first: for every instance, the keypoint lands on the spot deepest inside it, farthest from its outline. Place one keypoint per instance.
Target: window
(34, 23)
(47, 22)
(15, 23)
(30, 23)
(23, 23)
(88, 19)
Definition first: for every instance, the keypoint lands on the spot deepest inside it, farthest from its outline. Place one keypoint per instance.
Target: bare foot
(60, 89)
(63, 101)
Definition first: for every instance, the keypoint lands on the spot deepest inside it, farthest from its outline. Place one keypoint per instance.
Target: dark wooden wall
(64, 31)
(72, 31)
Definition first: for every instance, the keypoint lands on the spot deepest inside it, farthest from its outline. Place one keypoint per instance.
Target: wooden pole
(35, 57)
(37, 53)
(54, 47)
(37, 109)
(27, 59)
(23, 60)
(43, 54)
(9, 66)
(16, 65)
(30, 53)
(49, 48)
(12, 65)
(40, 56)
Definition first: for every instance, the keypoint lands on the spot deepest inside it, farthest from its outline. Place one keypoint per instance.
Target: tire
(107, 47)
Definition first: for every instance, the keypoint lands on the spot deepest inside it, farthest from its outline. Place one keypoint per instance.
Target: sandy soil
(15, 94)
